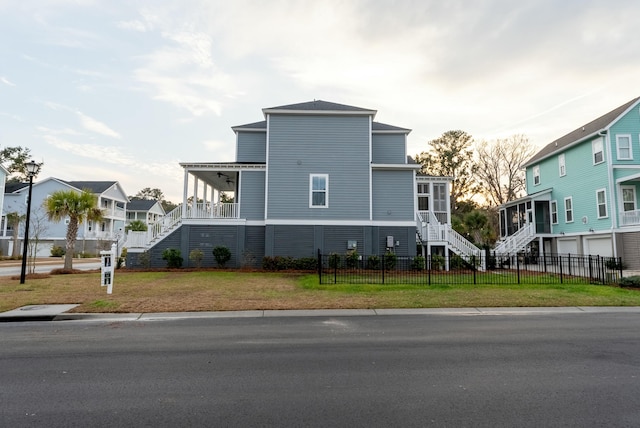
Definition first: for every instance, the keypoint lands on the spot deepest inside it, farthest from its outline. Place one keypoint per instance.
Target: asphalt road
(524, 370)
(11, 268)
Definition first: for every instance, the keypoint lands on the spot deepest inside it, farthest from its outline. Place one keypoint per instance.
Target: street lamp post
(32, 170)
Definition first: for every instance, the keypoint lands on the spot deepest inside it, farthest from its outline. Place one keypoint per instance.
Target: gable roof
(256, 126)
(93, 186)
(14, 187)
(318, 107)
(582, 133)
(141, 204)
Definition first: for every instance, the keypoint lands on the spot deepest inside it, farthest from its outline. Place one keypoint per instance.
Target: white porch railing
(517, 241)
(168, 223)
(630, 218)
(433, 230)
(208, 210)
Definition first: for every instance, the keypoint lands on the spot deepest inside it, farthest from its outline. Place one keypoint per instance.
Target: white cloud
(6, 81)
(96, 126)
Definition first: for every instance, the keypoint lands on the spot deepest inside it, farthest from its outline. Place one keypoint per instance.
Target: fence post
(319, 266)
(560, 263)
(569, 262)
(590, 269)
(544, 261)
(384, 267)
(620, 266)
(518, 267)
(429, 270)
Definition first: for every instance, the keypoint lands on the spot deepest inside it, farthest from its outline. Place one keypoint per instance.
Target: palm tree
(13, 220)
(78, 207)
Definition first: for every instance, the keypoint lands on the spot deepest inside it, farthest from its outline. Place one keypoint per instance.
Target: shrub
(614, 264)
(352, 259)
(173, 257)
(417, 263)
(305, 263)
(334, 260)
(57, 251)
(144, 259)
(437, 261)
(196, 255)
(222, 255)
(136, 226)
(390, 260)
(122, 259)
(373, 262)
(630, 281)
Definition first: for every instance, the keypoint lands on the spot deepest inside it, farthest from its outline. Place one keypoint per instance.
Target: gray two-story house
(315, 176)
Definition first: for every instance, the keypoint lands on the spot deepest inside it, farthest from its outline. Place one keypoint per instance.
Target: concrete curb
(59, 313)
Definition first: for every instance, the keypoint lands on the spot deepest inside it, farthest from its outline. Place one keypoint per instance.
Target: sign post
(107, 265)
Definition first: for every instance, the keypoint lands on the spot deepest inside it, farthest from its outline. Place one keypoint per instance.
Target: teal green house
(582, 193)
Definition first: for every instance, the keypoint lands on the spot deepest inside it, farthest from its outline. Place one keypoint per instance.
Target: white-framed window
(568, 210)
(597, 148)
(423, 196)
(536, 175)
(628, 198)
(623, 147)
(601, 202)
(554, 212)
(318, 191)
(562, 167)
(439, 197)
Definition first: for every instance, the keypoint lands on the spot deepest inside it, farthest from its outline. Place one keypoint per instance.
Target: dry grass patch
(185, 291)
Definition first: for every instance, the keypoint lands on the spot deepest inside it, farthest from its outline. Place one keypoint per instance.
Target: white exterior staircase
(156, 232)
(517, 241)
(430, 229)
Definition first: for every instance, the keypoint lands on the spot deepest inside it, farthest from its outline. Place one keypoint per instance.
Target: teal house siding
(301, 145)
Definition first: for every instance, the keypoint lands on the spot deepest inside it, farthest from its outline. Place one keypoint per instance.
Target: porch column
(185, 192)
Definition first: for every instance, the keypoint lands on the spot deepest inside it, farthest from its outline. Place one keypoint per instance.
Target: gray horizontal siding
(388, 148)
(251, 147)
(253, 246)
(304, 145)
(393, 197)
(252, 195)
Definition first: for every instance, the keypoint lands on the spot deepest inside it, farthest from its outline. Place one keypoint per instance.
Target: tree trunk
(72, 232)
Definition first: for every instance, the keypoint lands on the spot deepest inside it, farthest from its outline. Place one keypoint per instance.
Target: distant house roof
(94, 186)
(586, 131)
(13, 187)
(319, 106)
(256, 126)
(140, 204)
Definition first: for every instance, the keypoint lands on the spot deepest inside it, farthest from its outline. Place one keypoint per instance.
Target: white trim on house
(341, 223)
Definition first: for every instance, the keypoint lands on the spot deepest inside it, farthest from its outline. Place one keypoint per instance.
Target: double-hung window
(562, 167)
(601, 202)
(554, 212)
(536, 175)
(318, 191)
(568, 210)
(597, 148)
(623, 145)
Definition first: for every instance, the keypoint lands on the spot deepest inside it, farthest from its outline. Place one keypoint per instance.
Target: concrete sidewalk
(59, 313)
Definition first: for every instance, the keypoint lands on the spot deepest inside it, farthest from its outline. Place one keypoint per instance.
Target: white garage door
(598, 247)
(567, 246)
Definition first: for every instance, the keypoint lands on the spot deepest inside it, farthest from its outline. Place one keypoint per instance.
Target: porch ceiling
(221, 176)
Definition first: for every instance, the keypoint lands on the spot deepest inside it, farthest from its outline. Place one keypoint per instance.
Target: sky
(126, 90)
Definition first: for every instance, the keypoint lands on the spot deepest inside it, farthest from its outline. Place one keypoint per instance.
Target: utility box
(390, 242)
(107, 268)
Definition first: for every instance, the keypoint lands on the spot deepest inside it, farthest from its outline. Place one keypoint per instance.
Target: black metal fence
(487, 269)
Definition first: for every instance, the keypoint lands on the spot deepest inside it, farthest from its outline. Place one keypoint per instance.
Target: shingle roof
(12, 187)
(94, 186)
(140, 204)
(319, 105)
(377, 126)
(262, 125)
(582, 132)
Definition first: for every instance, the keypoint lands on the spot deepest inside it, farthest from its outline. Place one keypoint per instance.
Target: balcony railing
(207, 210)
(630, 218)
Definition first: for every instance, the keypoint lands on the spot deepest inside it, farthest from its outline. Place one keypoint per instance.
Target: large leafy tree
(78, 207)
(451, 155)
(14, 159)
(499, 168)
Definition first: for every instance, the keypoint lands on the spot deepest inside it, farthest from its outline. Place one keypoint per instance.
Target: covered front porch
(626, 192)
(212, 191)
